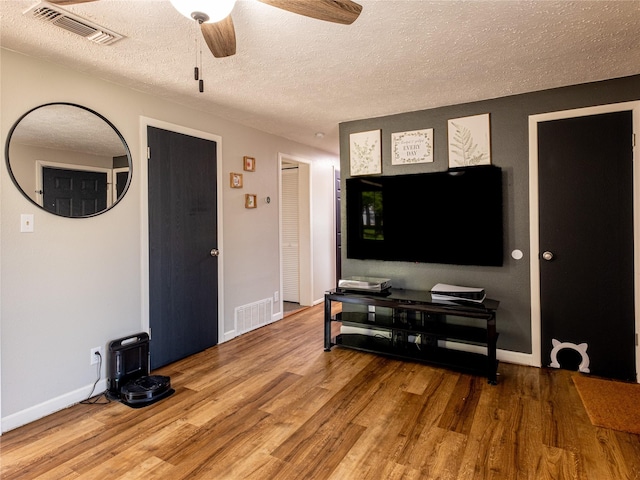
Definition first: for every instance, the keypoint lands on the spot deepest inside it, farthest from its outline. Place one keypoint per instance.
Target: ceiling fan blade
(337, 11)
(220, 37)
(69, 2)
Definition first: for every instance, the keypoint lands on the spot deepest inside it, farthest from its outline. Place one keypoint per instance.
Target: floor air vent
(72, 23)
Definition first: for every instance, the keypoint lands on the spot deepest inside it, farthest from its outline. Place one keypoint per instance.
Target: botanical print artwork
(412, 147)
(469, 142)
(365, 153)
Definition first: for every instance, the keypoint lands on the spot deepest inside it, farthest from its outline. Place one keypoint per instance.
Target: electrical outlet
(276, 296)
(95, 358)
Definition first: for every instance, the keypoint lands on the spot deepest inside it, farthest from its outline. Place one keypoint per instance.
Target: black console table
(410, 324)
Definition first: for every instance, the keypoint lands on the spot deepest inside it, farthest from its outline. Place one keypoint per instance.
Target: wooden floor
(289, 308)
(272, 404)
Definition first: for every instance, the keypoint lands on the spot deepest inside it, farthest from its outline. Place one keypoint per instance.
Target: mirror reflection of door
(121, 177)
(73, 193)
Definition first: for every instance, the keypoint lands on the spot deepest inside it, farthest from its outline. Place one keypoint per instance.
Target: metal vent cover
(253, 315)
(73, 23)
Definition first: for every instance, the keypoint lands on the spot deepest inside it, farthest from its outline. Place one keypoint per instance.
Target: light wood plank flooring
(272, 404)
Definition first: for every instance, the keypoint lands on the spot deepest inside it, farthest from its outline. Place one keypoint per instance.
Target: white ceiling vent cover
(73, 23)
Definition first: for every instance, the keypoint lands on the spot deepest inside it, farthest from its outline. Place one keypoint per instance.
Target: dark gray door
(183, 275)
(121, 183)
(73, 193)
(586, 229)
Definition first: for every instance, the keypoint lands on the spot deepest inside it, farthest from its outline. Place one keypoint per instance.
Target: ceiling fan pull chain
(200, 80)
(196, 70)
(199, 63)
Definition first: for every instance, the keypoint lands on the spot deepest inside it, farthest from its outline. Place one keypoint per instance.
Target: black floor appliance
(128, 379)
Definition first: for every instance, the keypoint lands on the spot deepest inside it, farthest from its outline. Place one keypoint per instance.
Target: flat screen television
(452, 217)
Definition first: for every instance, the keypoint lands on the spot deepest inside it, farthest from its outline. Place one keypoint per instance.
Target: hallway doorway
(295, 231)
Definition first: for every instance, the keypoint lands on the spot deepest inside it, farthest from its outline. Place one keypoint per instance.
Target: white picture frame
(365, 153)
(469, 141)
(415, 146)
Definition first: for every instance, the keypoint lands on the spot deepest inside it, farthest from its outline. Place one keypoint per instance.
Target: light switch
(26, 222)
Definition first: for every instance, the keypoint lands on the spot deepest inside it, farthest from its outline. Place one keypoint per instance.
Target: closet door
(290, 236)
(585, 167)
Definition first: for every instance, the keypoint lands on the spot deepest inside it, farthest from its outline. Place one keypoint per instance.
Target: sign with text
(412, 147)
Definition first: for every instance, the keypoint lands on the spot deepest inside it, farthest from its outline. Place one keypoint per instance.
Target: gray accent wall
(509, 117)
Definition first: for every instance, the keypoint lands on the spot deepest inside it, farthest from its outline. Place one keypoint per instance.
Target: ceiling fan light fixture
(205, 11)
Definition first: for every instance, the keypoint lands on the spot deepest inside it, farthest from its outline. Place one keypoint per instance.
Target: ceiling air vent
(73, 23)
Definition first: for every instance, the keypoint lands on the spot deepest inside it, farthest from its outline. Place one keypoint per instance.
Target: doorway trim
(144, 214)
(305, 229)
(534, 217)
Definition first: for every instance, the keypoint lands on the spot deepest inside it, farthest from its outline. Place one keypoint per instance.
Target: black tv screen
(452, 217)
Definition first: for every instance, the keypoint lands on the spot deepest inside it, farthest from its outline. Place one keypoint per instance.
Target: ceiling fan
(214, 16)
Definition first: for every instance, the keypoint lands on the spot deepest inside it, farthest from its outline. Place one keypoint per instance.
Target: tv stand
(409, 324)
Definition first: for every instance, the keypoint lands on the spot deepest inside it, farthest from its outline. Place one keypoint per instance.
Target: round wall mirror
(68, 160)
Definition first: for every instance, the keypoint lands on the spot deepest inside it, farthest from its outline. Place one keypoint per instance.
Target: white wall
(75, 284)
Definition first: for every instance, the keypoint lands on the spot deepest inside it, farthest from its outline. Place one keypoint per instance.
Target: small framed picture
(415, 146)
(236, 180)
(365, 154)
(249, 164)
(469, 141)
(250, 201)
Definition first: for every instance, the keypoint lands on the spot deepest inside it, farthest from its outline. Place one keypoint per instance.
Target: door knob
(215, 252)
(548, 256)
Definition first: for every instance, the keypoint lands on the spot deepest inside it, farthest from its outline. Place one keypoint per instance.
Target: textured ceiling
(294, 76)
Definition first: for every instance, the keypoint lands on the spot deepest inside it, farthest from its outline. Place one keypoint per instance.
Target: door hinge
(148, 153)
(636, 339)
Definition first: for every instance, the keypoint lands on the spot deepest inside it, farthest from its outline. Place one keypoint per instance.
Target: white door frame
(143, 171)
(534, 217)
(304, 227)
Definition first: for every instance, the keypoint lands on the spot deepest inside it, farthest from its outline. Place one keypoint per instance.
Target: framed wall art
(249, 164)
(235, 180)
(250, 201)
(469, 141)
(365, 154)
(415, 146)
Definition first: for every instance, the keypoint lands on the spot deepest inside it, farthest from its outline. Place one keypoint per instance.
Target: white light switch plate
(26, 222)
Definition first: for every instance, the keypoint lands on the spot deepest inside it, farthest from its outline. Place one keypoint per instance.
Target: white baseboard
(506, 356)
(230, 335)
(37, 412)
(518, 358)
